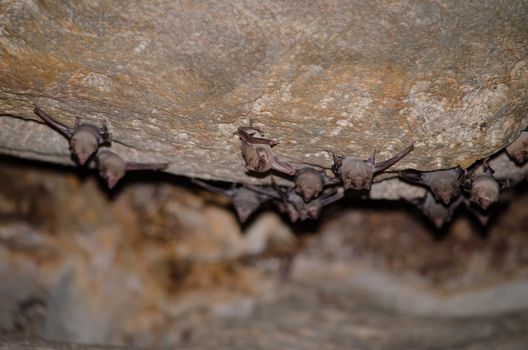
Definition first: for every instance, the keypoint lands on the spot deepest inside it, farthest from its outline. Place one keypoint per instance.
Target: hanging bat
(296, 208)
(357, 174)
(483, 189)
(258, 154)
(438, 213)
(309, 182)
(246, 198)
(444, 184)
(112, 167)
(518, 149)
(84, 138)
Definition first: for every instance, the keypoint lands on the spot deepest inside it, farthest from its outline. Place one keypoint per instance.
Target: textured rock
(175, 79)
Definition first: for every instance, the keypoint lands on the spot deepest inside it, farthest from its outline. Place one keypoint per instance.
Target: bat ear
(372, 158)
(283, 166)
(105, 134)
(487, 167)
(327, 180)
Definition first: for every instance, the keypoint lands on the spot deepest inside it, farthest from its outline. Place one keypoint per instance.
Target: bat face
(246, 202)
(484, 191)
(356, 174)
(309, 183)
(313, 210)
(257, 152)
(111, 167)
(444, 184)
(83, 144)
(438, 213)
(258, 157)
(518, 149)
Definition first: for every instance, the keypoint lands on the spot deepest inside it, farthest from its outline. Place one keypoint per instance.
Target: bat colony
(312, 187)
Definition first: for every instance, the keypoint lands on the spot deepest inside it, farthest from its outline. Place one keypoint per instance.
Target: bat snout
(111, 181)
(83, 157)
(438, 222)
(521, 156)
(243, 214)
(446, 197)
(308, 195)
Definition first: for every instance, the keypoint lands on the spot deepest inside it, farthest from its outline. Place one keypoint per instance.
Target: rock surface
(175, 79)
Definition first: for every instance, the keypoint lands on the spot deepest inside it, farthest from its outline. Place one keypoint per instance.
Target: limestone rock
(175, 79)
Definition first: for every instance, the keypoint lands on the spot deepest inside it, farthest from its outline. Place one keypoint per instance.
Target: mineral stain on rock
(390, 74)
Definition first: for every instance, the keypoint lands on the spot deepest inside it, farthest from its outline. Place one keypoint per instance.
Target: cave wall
(174, 80)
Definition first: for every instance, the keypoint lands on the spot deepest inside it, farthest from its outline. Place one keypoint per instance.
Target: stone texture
(175, 79)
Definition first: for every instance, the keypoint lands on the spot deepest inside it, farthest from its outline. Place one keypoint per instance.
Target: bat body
(438, 213)
(518, 149)
(258, 154)
(309, 182)
(112, 167)
(246, 199)
(444, 184)
(297, 209)
(357, 174)
(84, 138)
(483, 189)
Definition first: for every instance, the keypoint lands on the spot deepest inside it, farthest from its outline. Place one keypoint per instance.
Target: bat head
(293, 213)
(356, 174)
(438, 222)
(83, 144)
(357, 183)
(111, 180)
(314, 210)
(484, 191)
(246, 202)
(111, 167)
(309, 183)
(484, 198)
(445, 191)
(259, 158)
(520, 156)
(243, 213)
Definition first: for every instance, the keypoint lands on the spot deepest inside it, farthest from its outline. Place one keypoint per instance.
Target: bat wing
(63, 129)
(411, 176)
(229, 193)
(332, 197)
(390, 162)
(283, 166)
(246, 137)
(327, 180)
(268, 193)
(131, 166)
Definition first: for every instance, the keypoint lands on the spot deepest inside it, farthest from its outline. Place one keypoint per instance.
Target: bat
(484, 190)
(438, 213)
(246, 198)
(258, 154)
(357, 174)
(309, 182)
(518, 149)
(296, 208)
(444, 184)
(84, 138)
(112, 167)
